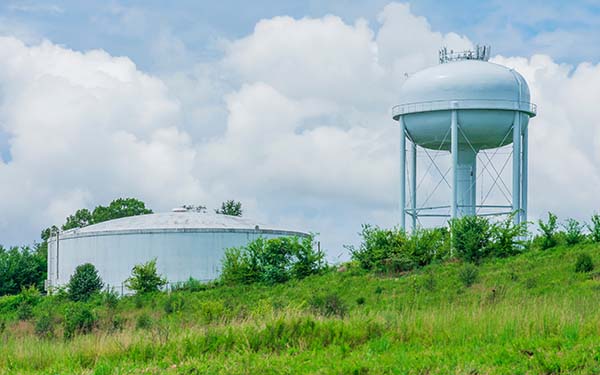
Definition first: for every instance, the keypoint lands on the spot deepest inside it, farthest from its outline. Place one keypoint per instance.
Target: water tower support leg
(524, 171)
(454, 152)
(516, 193)
(413, 181)
(402, 173)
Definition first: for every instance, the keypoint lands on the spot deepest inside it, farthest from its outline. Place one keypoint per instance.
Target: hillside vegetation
(530, 313)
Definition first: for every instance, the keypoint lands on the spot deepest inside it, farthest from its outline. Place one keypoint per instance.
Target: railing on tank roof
(443, 105)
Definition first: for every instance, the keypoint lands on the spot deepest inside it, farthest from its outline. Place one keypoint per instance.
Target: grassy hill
(528, 314)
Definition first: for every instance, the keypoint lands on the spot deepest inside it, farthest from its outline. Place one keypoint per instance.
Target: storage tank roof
(176, 221)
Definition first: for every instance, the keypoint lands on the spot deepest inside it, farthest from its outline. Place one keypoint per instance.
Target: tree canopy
(230, 207)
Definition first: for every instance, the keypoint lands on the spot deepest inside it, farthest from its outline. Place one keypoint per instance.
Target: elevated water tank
(464, 105)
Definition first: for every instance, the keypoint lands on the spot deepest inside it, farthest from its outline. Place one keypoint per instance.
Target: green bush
(468, 274)
(548, 231)
(584, 263)
(110, 299)
(27, 300)
(393, 251)
(360, 301)
(174, 303)
(78, 319)
(381, 250)
(594, 228)
(116, 323)
(329, 305)
(272, 261)
(145, 278)
(573, 232)
(506, 238)
(191, 285)
(143, 321)
(44, 326)
(426, 245)
(84, 282)
(471, 237)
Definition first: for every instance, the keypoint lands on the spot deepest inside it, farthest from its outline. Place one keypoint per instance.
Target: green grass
(530, 314)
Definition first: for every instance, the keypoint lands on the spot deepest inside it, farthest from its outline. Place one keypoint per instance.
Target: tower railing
(444, 105)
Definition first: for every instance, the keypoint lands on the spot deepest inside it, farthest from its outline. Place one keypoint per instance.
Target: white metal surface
(479, 104)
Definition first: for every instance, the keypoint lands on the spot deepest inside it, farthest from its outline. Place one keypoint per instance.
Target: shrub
(110, 299)
(174, 303)
(548, 230)
(573, 232)
(584, 263)
(329, 305)
(425, 245)
(471, 237)
(594, 228)
(44, 326)
(272, 261)
(84, 282)
(116, 323)
(78, 319)
(468, 274)
(144, 321)
(506, 238)
(531, 283)
(190, 285)
(429, 282)
(145, 278)
(27, 300)
(360, 301)
(381, 249)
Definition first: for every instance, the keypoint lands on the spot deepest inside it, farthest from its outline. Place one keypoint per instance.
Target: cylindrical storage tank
(185, 244)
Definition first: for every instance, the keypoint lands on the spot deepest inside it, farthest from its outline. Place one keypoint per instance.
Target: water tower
(464, 105)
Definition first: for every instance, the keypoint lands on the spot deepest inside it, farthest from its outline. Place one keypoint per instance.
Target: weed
(548, 230)
(573, 232)
(78, 319)
(329, 305)
(174, 303)
(44, 326)
(594, 228)
(468, 274)
(584, 263)
(143, 321)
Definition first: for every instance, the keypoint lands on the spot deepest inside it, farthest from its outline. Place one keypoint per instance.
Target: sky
(284, 106)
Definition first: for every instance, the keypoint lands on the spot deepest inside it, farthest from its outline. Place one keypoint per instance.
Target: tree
(84, 282)
(145, 278)
(22, 268)
(48, 232)
(122, 207)
(230, 207)
(80, 219)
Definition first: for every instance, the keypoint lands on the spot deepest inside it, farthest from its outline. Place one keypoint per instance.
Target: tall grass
(503, 323)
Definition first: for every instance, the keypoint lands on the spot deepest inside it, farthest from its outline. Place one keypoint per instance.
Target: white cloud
(293, 120)
(85, 128)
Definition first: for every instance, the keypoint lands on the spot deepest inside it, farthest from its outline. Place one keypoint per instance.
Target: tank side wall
(180, 255)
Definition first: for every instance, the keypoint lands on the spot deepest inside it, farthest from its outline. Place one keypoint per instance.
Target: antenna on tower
(481, 53)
